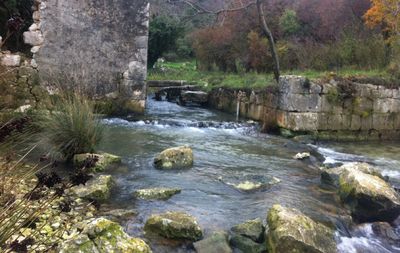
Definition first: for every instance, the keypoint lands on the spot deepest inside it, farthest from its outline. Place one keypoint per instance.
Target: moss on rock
(156, 193)
(104, 161)
(174, 158)
(97, 188)
(174, 225)
(292, 231)
(102, 235)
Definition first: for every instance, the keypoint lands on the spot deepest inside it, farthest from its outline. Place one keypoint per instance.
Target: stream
(227, 153)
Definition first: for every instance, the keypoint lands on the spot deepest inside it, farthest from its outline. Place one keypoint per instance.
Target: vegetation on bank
(188, 71)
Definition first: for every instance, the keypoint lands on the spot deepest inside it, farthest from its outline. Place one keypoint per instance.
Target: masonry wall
(100, 46)
(335, 109)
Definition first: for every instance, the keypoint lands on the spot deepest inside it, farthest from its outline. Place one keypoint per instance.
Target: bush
(72, 127)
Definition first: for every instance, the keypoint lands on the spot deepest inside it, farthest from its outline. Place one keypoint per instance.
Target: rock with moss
(156, 193)
(99, 162)
(215, 243)
(174, 225)
(102, 235)
(292, 231)
(98, 188)
(174, 158)
(245, 244)
(252, 229)
(369, 197)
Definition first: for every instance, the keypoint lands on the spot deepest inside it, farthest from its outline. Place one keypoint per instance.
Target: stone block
(323, 123)
(328, 107)
(33, 38)
(11, 60)
(366, 123)
(293, 84)
(355, 122)
(387, 105)
(335, 121)
(305, 121)
(382, 122)
(300, 102)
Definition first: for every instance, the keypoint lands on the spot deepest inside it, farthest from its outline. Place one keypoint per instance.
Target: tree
(235, 6)
(163, 34)
(385, 13)
(289, 23)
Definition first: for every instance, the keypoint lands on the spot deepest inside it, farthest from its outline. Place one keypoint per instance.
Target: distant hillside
(163, 7)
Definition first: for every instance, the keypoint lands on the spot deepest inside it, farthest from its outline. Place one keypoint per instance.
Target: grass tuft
(72, 127)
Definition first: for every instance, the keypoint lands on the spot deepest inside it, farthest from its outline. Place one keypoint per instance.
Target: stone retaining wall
(335, 109)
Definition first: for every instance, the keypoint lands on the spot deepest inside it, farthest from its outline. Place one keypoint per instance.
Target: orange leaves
(386, 13)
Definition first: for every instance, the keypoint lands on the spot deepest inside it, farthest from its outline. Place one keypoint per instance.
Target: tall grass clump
(71, 127)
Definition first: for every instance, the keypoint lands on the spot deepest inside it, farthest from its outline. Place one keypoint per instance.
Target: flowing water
(227, 153)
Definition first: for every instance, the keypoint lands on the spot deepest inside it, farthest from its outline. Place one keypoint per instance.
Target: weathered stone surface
(98, 188)
(109, 49)
(102, 235)
(175, 158)
(10, 60)
(292, 231)
(174, 225)
(215, 243)
(104, 160)
(252, 229)
(245, 244)
(156, 193)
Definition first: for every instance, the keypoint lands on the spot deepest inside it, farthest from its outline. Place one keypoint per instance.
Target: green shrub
(72, 127)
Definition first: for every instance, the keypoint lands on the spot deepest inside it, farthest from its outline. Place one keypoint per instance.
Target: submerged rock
(98, 188)
(156, 193)
(302, 156)
(102, 235)
(119, 214)
(252, 183)
(292, 231)
(387, 232)
(175, 158)
(364, 189)
(252, 229)
(174, 225)
(216, 243)
(102, 161)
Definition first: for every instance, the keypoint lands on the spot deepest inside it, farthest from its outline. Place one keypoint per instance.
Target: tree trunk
(270, 37)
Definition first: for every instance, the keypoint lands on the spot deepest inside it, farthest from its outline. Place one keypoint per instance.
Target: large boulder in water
(174, 158)
(102, 235)
(290, 231)
(174, 225)
(364, 190)
(197, 97)
(216, 243)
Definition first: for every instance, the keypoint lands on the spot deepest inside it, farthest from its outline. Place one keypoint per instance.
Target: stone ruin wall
(96, 46)
(325, 109)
